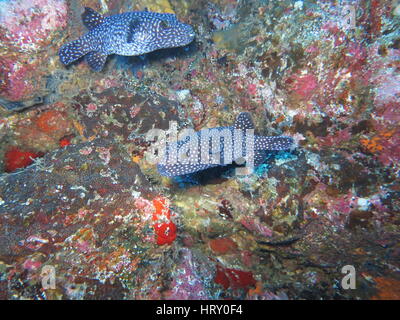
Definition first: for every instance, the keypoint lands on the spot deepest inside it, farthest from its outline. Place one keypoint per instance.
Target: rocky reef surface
(79, 197)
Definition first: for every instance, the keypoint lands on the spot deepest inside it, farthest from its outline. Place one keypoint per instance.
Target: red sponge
(15, 158)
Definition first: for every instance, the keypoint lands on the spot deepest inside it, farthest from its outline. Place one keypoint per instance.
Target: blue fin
(244, 121)
(91, 18)
(73, 51)
(96, 60)
(134, 24)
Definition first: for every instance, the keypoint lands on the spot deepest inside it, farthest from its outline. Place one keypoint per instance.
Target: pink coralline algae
(91, 107)
(145, 206)
(336, 139)
(386, 79)
(31, 264)
(303, 86)
(94, 207)
(255, 226)
(27, 27)
(16, 84)
(187, 283)
(384, 143)
(389, 142)
(29, 24)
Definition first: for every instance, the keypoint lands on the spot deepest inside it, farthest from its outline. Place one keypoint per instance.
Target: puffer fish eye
(164, 24)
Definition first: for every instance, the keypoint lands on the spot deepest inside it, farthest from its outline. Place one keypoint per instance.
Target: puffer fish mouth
(185, 40)
(190, 34)
(190, 39)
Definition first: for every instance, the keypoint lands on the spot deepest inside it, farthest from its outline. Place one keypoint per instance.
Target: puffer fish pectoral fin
(96, 60)
(91, 18)
(133, 27)
(259, 157)
(244, 121)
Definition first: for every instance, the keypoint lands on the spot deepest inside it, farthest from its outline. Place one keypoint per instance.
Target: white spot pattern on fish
(230, 146)
(127, 34)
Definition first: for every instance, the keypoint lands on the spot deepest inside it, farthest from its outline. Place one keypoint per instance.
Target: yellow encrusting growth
(80, 128)
(136, 159)
(162, 6)
(374, 144)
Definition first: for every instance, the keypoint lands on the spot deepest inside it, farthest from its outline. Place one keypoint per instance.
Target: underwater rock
(61, 183)
(113, 228)
(28, 31)
(124, 115)
(195, 266)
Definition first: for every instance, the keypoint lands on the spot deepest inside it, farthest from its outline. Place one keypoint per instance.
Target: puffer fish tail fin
(273, 143)
(91, 18)
(73, 51)
(96, 60)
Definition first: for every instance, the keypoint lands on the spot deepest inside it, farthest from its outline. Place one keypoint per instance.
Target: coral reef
(80, 195)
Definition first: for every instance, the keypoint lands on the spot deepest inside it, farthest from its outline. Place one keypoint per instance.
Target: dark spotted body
(127, 34)
(233, 145)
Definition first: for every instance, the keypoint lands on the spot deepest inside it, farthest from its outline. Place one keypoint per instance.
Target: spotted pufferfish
(231, 147)
(127, 34)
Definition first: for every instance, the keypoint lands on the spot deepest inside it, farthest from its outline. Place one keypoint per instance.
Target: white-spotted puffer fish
(234, 144)
(127, 34)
